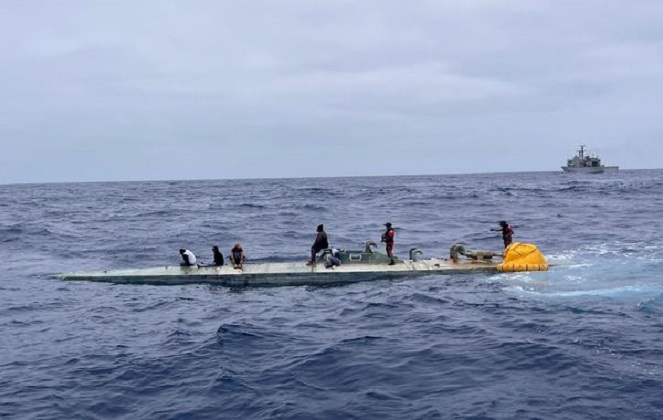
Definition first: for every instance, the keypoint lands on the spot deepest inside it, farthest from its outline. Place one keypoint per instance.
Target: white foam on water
(612, 270)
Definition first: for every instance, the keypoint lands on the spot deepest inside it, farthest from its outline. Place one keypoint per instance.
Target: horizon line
(300, 177)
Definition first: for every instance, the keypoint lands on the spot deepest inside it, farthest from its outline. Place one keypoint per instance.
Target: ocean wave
(579, 341)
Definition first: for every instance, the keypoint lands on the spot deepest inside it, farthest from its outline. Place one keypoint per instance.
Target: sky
(164, 90)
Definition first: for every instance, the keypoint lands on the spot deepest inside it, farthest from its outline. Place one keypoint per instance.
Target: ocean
(580, 341)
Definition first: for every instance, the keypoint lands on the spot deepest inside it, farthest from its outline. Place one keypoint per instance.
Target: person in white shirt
(333, 259)
(188, 258)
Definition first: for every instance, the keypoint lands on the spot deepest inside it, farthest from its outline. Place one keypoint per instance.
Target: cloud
(383, 87)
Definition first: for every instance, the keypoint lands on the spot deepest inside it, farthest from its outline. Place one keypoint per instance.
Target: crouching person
(188, 258)
(333, 259)
(237, 256)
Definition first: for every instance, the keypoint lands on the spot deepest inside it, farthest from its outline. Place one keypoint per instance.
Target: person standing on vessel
(188, 258)
(388, 239)
(319, 244)
(507, 232)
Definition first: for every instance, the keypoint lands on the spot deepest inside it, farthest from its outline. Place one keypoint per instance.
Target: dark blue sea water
(581, 341)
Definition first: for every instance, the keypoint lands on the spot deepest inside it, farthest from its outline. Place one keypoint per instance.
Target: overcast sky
(157, 89)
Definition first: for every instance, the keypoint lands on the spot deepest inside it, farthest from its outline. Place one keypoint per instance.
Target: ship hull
(590, 170)
(280, 274)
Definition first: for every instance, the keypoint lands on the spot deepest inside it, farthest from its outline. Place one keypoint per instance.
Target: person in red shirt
(388, 239)
(507, 233)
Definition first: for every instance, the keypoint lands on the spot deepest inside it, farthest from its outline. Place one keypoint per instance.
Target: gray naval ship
(587, 164)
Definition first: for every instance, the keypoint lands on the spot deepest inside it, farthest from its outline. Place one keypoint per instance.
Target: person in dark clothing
(237, 256)
(218, 256)
(388, 239)
(507, 233)
(319, 244)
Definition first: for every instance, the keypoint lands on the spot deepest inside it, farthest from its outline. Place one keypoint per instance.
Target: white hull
(281, 274)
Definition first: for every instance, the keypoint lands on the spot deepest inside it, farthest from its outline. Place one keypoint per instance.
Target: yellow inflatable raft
(523, 257)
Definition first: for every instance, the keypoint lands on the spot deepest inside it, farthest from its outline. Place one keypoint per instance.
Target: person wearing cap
(218, 256)
(388, 239)
(319, 244)
(188, 258)
(237, 256)
(507, 232)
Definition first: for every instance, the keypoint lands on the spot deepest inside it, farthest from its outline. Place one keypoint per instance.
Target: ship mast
(581, 152)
